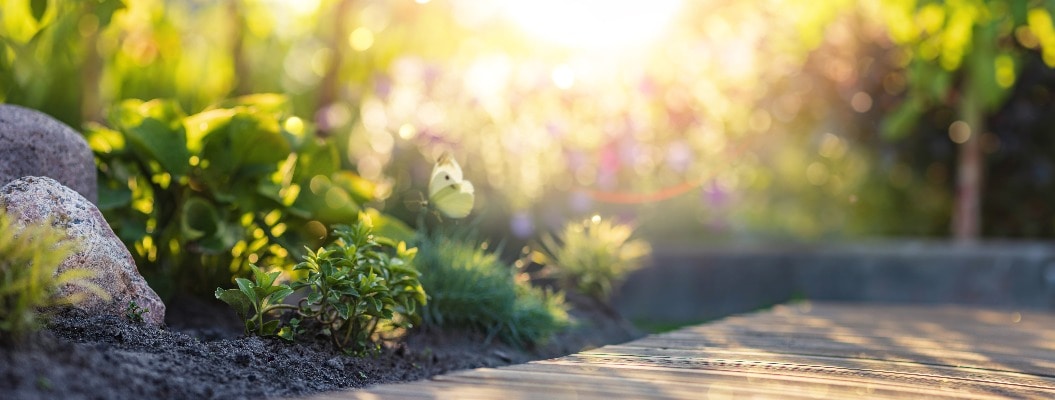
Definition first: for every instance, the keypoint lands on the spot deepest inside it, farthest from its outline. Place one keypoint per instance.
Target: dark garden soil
(202, 354)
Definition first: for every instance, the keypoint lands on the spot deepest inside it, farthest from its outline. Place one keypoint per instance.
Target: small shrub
(594, 255)
(471, 288)
(356, 288)
(29, 259)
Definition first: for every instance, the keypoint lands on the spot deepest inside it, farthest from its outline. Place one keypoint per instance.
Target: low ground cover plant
(470, 287)
(595, 255)
(29, 259)
(355, 289)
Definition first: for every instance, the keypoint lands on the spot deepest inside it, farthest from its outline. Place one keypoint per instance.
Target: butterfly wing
(454, 200)
(444, 173)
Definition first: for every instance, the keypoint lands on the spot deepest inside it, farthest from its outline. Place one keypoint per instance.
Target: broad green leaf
(105, 9)
(270, 191)
(153, 129)
(247, 287)
(361, 190)
(227, 234)
(328, 203)
(103, 140)
(256, 139)
(199, 219)
(278, 296)
(286, 333)
(350, 291)
(236, 299)
(203, 124)
(270, 328)
(316, 158)
(272, 104)
(342, 310)
(1018, 12)
(38, 8)
(113, 198)
(263, 279)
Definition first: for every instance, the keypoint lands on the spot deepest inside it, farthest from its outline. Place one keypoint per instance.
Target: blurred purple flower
(609, 159)
(382, 86)
(678, 156)
(521, 225)
(580, 202)
(713, 196)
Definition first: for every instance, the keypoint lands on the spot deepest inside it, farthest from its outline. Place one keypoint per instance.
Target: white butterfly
(449, 192)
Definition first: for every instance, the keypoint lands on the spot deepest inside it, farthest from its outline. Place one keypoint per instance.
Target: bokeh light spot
(592, 24)
(294, 125)
(361, 39)
(959, 132)
(563, 77)
(817, 173)
(861, 102)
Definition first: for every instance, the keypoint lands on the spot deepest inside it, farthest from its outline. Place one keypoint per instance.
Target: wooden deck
(794, 351)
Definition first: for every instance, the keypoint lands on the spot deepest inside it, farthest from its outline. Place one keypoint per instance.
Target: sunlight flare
(593, 24)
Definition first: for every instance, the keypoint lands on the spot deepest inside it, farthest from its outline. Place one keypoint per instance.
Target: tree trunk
(967, 209)
(237, 32)
(328, 85)
(91, 73)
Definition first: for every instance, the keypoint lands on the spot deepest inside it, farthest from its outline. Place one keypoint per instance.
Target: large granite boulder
(36, 200)
(34, 144)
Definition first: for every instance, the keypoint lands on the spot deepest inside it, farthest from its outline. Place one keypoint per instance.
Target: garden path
(803, 350)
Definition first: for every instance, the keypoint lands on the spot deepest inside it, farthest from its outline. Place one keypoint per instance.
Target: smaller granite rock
(35, 200)
(35, 144)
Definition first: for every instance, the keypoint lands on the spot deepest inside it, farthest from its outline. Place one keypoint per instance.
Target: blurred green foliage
(200, 197)
(790, 118)
(968, 52)
(470, 288)
(44, 51)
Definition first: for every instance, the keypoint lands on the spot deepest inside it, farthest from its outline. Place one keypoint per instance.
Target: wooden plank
(809, 386)
(833, 368)
(555, 383)
(797, 351)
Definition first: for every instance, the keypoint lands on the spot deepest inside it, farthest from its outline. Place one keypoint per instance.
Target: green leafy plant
(29, 259)
(594, 255)
(198, 198)
(255, 299)
(471, 288)
(134, 312)
(356, 287)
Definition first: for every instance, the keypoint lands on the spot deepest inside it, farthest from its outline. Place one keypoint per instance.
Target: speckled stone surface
(35, 200)
(35, 144)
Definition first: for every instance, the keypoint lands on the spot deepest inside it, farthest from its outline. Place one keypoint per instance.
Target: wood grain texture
(804, 350)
